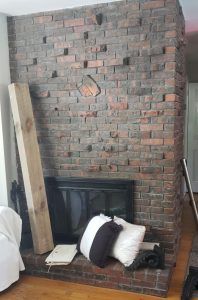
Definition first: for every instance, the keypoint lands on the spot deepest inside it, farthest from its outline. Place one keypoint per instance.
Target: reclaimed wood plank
(31, 167)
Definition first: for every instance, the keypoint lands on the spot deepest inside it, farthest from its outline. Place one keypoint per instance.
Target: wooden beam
(31, 167)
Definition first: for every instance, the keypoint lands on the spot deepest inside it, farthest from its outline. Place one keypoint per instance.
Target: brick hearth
(114, 275)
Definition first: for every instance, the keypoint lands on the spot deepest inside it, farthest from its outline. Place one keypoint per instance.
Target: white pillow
(97, 239)
(128, 242)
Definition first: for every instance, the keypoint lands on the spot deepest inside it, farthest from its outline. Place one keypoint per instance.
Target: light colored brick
(94, 63)
(42, 19)
(74, 22)
(118, 105)
(66, 58)
(150, 127)
(152, 141)
(153, 4)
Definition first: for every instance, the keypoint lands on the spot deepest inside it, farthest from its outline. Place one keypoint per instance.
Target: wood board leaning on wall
(31, 167)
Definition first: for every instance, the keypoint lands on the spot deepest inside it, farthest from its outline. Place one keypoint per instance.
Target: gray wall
(7, 149)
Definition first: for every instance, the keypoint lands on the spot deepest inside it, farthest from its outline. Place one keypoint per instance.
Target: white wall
(7, 150)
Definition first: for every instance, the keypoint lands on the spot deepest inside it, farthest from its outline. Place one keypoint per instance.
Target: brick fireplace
(107, 85)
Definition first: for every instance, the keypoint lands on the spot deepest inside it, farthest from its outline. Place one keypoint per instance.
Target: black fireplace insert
(73, 201)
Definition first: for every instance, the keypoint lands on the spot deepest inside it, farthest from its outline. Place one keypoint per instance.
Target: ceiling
(20, 7)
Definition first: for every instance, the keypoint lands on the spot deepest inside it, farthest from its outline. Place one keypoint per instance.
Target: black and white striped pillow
(97, 239)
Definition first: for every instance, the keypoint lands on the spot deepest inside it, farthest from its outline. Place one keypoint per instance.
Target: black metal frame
(15, 194)
(191, 283)
(65, 184)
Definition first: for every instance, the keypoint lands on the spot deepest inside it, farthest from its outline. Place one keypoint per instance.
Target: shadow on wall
(191, 56)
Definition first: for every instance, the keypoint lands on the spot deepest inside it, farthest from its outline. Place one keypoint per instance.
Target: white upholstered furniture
(10, 236)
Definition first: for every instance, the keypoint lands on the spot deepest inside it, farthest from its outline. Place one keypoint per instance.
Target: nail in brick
(34, 61)
(44, 40)
(126, 61)
(85, 64)
(86, 35)
(54, 74)
(66, 51)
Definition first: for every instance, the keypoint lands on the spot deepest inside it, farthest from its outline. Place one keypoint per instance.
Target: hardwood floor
(35, 288)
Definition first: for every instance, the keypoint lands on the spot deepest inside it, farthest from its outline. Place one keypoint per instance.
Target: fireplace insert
(73, 201)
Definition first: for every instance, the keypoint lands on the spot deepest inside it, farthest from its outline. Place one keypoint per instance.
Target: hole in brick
(89, 148)
(54, 74)
(85, 64)
(126, 61)
(56, 108)
(103, 48)
(99, 19)
(34, 61)
(164, 97)
(44, 40)
(86, 35)
(164, 50)
(66, 51)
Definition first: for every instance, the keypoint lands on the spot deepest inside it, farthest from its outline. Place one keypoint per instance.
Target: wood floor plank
(35, 288)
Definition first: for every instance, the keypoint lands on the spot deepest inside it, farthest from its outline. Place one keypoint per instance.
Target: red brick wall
(134, 127)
